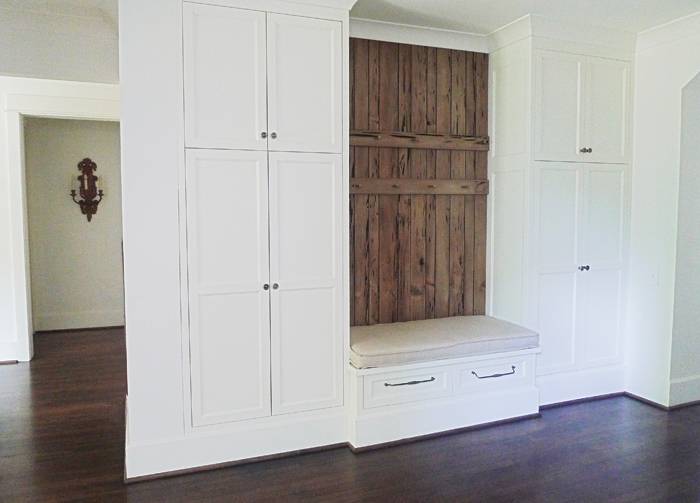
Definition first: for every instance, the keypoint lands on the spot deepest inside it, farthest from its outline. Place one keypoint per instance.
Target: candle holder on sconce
(90, 194)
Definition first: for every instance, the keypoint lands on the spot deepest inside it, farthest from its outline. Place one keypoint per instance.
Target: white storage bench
(423, 377)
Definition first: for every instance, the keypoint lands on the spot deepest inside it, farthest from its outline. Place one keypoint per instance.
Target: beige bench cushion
(420, 341)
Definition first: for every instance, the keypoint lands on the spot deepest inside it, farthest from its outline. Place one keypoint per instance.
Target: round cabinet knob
(273, 136)
(590, 150)
(266, 286)
(584, 268)
(275, 286)
(263, 135)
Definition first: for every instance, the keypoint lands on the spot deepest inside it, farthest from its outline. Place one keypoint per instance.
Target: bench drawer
(403, 387)
(484, 376)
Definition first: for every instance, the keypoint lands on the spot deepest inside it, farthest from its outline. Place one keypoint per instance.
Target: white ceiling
(485, 16)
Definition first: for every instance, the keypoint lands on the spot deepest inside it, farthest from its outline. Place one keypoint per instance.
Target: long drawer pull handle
(409, 383)
(492, 376)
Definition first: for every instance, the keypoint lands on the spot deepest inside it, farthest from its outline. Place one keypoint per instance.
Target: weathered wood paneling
(416, 256)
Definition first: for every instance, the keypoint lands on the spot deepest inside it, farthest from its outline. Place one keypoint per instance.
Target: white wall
(685, 352)
(667, 59)
(45, 44)
(76, 265)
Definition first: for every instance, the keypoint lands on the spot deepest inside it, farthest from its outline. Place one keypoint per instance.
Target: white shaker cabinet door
(600, 297)
(306, 273)
(557, 109)
(225, 77)
(228, 266)
(606, 110)
(304, 59)
(559, 213)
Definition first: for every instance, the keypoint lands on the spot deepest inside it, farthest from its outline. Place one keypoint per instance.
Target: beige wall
(76, 265)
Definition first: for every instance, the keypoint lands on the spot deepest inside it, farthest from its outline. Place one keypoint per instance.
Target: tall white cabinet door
(559, 213)
(605, 110)
(558, 118)
(602, 255)
(305, 268)
(304, 84)
(225, 93)
(228, 250)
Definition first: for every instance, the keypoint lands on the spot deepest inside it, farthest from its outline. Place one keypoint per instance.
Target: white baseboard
(202, 451)
(578, 384)
(434, 416)
(685, 390)
(78, 319)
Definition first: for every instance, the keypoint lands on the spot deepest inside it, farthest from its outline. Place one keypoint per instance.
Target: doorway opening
(75, 257)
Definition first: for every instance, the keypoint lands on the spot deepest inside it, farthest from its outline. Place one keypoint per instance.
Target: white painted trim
(295, 432)
(565, 36)
(685, 390)
(670, 32)
(577, 384)
(21, 97)
(417, 35)
(510, 33)
(78, 319)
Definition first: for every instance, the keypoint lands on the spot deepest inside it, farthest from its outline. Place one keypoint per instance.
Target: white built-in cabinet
(261, 81)
(559, 207)
(263, 208)
(581, 108)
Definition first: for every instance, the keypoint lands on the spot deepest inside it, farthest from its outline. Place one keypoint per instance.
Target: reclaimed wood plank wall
(417, 256)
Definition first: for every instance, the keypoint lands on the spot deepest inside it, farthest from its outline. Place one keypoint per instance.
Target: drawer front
(494, 374)
(413, 386)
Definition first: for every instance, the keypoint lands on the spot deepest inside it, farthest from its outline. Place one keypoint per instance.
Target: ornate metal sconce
(90, 195)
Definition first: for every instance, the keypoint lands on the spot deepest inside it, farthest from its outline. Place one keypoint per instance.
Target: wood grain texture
(428, 186)
(419, 182)
(62, 440)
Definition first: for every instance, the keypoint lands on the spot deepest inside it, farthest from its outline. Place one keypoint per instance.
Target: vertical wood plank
(388, 168)
(418, 170)
(404, 210)
(443, 170)
(373, 200)
(481, 73)
(361, 202)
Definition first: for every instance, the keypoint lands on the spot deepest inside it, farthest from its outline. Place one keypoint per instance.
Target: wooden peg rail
(414, 186)
(395, 139)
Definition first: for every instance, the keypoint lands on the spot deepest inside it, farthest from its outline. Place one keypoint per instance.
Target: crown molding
(417, 35)
(673, 31)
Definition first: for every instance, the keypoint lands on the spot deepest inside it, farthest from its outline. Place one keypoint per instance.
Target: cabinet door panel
(304, 82)
(227, 242)
(558, 120)
(599, 311)
(305, 208)
(559, 214)
(604, 222)
(556, 311)
(225, 95)
(605, 106)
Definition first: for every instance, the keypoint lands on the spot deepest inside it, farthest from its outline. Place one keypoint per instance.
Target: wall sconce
(90, 195)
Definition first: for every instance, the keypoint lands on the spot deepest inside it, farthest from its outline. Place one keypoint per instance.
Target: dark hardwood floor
(62, 438)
